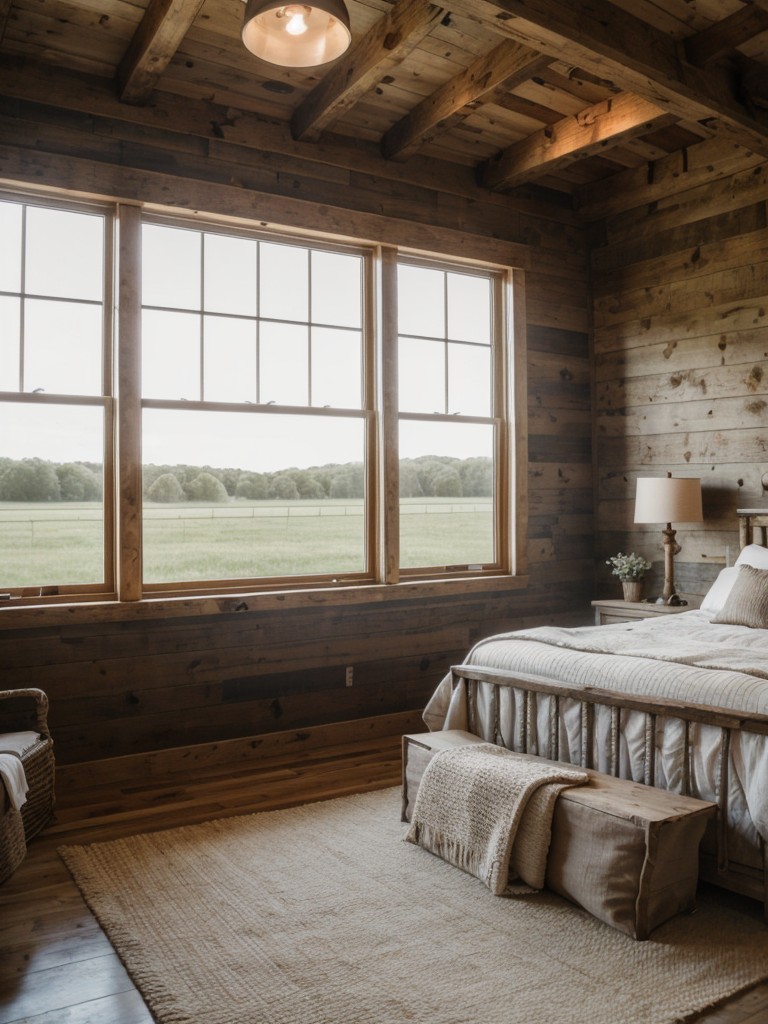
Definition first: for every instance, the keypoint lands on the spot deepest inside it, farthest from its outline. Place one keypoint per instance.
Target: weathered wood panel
(124, 684)
(679, 268)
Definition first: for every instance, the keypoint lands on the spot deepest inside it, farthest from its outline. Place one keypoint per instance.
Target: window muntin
(261, 313)
(450, 433)
(55, 407)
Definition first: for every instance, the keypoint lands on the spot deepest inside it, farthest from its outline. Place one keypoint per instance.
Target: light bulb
(296, 26)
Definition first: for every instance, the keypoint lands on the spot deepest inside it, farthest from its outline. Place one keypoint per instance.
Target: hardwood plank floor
(56, 964)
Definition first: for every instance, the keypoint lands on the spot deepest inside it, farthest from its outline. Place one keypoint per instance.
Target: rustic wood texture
(680, 281)
(124, 681)
(158, 36)
(561, 144)
(57, 965)
(490, 76)
(393, 38)
(421, 80)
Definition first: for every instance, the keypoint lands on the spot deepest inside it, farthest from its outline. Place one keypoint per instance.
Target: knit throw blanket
(489, 812)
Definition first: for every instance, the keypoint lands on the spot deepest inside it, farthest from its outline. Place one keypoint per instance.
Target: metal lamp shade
(324, 32)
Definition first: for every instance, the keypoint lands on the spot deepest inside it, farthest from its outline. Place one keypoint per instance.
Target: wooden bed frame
(716, 864)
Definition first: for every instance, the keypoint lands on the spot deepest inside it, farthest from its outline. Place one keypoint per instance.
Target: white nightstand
(625, 611)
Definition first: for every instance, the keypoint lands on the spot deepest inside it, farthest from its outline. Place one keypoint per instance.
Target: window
(307, 413)
(448, 425)
(55, 406)
(255, 408)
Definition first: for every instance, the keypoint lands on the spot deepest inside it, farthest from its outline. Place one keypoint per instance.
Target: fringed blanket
(489, 812)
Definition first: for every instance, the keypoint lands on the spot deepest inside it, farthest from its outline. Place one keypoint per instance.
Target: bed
(676, 701)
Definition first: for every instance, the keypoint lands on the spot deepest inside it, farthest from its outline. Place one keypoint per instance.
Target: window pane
(284, 364)
(279, 495)
(446, 494)
(421, 301)
(469, 308)
(421, 375)
(336, 289)
(284, 282)
(230, 360)
(230, 274)
(170, 355)
(337, 372)
(10, 250)
(9, 342)
(469, 379)
(51, 504)
(64, 254)
(62, 350)
(170, 267)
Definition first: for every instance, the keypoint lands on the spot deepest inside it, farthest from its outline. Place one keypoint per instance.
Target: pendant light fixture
(296, 35)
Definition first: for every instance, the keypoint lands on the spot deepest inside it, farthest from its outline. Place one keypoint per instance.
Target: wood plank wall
(679, 255)
(124, 687)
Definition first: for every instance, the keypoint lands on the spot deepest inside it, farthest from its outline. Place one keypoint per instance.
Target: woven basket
(13, 845)
(38, 761)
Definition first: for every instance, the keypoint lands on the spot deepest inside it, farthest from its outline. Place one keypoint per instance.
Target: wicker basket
(38, 761)
(13, 845)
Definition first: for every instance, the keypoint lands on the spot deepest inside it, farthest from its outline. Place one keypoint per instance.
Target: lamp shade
(296, 35)
(668, 500)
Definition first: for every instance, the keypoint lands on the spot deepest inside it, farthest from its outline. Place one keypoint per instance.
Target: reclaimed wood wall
(243, 676)
(679, 254)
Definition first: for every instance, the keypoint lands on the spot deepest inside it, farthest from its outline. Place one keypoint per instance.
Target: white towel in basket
(14, 779)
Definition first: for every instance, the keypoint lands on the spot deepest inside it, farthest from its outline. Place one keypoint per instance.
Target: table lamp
(668, 500)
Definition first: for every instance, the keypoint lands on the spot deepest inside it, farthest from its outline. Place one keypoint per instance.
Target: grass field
(59, 543)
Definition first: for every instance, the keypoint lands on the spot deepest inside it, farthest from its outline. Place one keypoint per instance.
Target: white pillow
(753, 555)
(718, 593)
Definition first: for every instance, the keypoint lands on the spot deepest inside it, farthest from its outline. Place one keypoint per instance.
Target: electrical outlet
(350, 675)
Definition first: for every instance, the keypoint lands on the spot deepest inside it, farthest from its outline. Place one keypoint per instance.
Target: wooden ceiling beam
(753, 82)
(591, 132)
(150, 51)
(389, 42)
(621, 48)
(487, 78)
(722, 38)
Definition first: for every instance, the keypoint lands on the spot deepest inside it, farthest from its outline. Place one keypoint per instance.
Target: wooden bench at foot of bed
(625, 852)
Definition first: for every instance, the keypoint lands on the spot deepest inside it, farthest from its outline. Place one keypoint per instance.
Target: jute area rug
(323, 915)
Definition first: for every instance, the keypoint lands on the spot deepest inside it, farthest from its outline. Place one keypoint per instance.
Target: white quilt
(683, 658)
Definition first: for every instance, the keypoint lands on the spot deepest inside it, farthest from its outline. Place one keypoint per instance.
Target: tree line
(431, 476)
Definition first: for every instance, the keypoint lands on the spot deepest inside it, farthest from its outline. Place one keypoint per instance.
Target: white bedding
(684, 658)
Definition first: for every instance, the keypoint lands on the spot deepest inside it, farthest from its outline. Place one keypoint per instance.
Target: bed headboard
(753, 526)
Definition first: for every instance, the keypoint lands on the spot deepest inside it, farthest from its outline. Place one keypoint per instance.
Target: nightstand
(625, 611)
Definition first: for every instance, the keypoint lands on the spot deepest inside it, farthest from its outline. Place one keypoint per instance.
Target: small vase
(633, 589)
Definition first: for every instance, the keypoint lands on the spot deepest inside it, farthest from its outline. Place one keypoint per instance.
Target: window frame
(366, 413)
(501, 345)
(105, 400)
(123, 412)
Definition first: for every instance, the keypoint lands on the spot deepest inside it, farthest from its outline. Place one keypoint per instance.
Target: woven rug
(322, 914)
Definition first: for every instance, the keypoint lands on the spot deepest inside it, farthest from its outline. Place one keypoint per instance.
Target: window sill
(30, 615)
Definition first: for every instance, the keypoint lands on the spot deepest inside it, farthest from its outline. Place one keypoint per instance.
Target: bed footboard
(688, 749)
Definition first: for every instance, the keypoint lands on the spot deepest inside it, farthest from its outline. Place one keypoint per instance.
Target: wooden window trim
(106, 590)
(129, 597)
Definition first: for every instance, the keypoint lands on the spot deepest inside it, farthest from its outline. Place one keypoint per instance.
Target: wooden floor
(56, 965)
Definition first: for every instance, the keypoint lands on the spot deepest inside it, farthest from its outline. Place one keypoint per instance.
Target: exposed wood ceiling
(552, 92)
